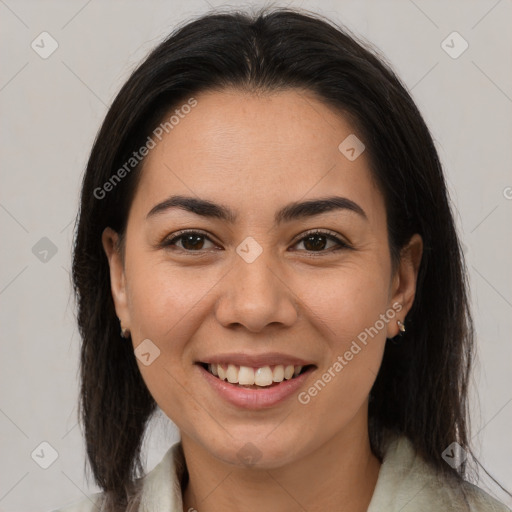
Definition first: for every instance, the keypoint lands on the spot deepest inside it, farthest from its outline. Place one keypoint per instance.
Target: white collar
(405, 483)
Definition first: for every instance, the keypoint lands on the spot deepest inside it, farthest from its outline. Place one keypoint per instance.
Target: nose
(255, 294)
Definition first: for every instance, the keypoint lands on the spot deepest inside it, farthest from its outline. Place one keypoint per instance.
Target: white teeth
(263, 376)
(279, 373)
(232, 374)
(288, 372)
(247, 376)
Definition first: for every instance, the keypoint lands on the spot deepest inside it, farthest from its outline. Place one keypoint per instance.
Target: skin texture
(255, 154)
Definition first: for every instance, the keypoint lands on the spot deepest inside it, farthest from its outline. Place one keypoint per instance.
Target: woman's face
(253, 287)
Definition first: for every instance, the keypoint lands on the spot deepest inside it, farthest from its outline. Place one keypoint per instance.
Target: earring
(401, 326)
(125, 333)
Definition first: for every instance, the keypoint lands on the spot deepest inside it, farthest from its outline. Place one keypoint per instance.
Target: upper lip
(255, 361)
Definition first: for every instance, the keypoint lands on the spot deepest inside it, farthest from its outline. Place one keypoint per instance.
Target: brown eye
(191, 241)
(315, 242)
(318, 240)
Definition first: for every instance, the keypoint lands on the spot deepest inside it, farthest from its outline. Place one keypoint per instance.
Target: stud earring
(125, 333)
(401, 326)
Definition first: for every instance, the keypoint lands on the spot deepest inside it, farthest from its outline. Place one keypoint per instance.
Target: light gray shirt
(406, 483)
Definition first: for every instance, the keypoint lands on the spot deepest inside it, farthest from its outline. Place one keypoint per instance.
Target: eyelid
(332, 235)
(325, 232)
(168, 240)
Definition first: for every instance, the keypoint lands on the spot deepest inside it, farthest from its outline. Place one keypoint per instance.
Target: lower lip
(255, 398)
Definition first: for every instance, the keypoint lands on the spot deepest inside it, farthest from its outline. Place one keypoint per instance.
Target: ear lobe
(405, 279)
(110, 241)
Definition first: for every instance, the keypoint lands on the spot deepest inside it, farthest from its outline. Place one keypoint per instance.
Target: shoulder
(481, 501)
(408, 483)
(158, 490)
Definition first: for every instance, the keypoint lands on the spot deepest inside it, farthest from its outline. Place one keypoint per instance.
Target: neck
(339, 475)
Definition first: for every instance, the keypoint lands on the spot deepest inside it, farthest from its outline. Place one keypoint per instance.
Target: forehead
(256, 150)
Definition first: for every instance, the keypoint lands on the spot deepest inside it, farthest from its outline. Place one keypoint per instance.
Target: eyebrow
(295, 210)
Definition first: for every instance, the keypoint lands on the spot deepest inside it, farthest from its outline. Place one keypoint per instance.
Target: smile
(252, 378)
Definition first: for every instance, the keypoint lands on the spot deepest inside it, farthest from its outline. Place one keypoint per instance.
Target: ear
(403, 288)
(110, 241)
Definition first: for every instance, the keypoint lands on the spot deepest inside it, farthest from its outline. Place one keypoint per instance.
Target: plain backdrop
(51, 109)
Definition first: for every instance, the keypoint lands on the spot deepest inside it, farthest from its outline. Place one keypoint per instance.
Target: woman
(265, 251)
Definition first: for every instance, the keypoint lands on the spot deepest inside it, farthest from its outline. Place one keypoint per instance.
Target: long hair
(421, 388)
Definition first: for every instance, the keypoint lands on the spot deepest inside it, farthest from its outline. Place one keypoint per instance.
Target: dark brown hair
(421, 388)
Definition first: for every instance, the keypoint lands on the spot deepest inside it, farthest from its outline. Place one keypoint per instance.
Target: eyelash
(168, 242)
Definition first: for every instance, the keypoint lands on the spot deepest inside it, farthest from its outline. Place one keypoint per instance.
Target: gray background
(51, 109)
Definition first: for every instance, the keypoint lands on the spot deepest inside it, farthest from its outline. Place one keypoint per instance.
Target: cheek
(350, 309)
(344, 301)
(165, 299)
(167, 307)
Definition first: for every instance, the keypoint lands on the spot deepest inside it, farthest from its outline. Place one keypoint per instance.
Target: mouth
(248, 377)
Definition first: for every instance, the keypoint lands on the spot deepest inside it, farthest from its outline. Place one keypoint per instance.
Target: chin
(257, 452)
